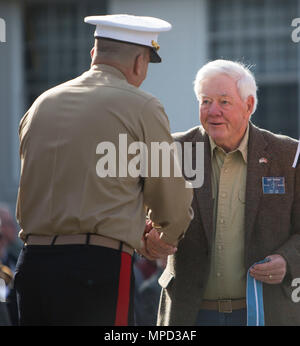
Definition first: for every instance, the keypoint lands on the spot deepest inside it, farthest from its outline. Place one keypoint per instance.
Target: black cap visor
(154, 57)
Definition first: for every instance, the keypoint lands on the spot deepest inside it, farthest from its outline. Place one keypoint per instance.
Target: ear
(92, 52)
(250, 104)
(138, 64)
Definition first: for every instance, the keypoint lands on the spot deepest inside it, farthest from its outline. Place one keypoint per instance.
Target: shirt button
(218, 275)
(222, 221)
(220, 247)
(224, 194)
(225, 170)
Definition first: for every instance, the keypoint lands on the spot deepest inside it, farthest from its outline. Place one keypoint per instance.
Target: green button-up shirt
(227, 278)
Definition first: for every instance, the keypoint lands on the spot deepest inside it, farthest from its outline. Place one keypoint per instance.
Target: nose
(214, 109)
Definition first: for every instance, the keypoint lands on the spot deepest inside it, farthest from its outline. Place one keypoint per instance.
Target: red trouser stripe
(124, 291)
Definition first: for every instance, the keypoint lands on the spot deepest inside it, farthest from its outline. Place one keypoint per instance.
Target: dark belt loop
(121, 246)
(54, 239)
(88, 236)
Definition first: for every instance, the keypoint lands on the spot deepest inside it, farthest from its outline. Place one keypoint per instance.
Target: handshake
(153, 247)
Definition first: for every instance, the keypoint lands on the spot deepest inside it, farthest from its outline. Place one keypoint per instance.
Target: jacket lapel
(203, 194)
(258, 166)
(256, 170)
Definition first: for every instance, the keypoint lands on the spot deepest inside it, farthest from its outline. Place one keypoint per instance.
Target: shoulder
(193, 134)
(52, 93)
(278, 142)
(282, 149)
(136, 99)
(149, 109)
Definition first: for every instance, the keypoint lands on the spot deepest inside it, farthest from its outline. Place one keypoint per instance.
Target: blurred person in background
(148, 293)
(6, 276)
(11, 246)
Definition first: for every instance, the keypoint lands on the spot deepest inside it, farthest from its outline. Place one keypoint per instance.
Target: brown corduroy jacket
(272, 226)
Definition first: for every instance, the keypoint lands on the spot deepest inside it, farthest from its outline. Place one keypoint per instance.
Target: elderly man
(248, 209)
(81, 209)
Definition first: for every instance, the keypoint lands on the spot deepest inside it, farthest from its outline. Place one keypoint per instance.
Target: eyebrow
(222, 95)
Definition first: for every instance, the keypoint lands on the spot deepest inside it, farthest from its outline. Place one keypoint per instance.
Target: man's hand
(153, 247)
(272, 272)
(157, 247)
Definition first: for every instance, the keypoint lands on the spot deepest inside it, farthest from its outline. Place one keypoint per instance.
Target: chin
(219, 141)
(217, 136)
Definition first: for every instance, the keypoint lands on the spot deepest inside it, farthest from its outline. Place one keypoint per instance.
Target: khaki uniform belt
(77, 239)
(224, 305)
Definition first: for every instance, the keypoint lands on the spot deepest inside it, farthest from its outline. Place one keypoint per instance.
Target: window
(258, 33)
(57, 42)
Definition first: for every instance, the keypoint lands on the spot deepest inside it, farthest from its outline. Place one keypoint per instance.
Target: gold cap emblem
(155, 45)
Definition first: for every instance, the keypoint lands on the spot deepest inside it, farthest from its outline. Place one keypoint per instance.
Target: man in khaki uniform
(81, 209)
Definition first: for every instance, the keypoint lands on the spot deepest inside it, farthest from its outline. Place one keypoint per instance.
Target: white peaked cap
(129, 28)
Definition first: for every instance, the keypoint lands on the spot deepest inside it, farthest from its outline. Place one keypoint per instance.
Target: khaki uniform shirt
(62, 157)
(227, 278)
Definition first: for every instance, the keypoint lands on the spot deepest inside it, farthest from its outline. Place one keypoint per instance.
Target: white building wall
(183, 50)
(11, 98)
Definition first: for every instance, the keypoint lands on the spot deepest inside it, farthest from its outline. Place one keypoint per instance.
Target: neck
(121, 67)
(231, 146)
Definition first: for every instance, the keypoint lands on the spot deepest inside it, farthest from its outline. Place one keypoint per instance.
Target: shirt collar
(242, 148)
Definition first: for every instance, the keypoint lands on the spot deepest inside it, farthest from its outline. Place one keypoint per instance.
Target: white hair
(244, 78)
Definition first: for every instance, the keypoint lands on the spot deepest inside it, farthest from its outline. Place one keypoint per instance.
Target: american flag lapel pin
(263, 160)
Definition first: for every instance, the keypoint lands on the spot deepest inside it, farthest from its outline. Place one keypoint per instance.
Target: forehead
(219, 85)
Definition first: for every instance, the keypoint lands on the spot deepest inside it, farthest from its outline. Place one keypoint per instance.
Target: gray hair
(244, 78)
(118, 50)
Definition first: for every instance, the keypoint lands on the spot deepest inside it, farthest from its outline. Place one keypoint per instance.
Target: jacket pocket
(165, 278)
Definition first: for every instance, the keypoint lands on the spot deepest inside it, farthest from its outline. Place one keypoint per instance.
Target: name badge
(273, 185)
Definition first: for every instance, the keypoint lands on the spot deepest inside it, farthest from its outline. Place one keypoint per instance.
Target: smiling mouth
(216, 124)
